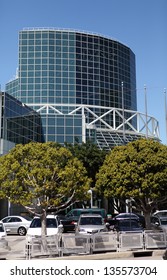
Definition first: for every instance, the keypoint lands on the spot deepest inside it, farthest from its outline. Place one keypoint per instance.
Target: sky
(139, 24)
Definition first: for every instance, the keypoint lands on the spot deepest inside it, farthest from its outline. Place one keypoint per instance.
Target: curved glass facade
(68, 67)
(58, 66)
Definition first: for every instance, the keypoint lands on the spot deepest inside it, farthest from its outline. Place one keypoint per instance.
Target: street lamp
(145, 95)
(165, 113)
(9, 206)
(91, 198)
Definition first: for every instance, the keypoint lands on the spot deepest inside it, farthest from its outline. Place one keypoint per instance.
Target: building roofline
(72, 30)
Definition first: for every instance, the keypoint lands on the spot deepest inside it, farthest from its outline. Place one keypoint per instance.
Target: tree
(41, 176)
(137, 171)
(91, 157)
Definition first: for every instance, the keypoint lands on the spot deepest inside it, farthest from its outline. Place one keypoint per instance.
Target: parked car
(53, 226)
(159, 223)
(126, 216)
(90, 224)
(16, 224)
(160, 213)
(3, 241)
(142, 221)
(68, 222)
(125, 225)
(71, 218)
(79, 211)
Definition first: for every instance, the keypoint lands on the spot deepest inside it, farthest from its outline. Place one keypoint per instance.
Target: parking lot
(92, 237)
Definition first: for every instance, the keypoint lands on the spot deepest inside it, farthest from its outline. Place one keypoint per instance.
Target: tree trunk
(43, 231)
(147, 219)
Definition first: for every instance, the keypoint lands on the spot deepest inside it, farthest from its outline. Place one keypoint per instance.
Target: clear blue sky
(140, 24)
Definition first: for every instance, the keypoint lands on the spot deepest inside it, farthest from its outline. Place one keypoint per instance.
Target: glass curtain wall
(62, 67)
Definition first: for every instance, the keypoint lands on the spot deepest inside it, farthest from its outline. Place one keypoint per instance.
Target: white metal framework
(104, 120)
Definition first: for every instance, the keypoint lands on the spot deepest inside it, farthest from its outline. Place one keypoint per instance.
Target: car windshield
(91, 221)
(50, 223)
(6, 220)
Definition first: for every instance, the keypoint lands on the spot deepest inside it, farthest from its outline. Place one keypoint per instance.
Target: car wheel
(22, 231)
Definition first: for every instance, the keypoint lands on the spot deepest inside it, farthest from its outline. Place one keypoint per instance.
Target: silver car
(159, 223)
(16, 224)
(90, 224)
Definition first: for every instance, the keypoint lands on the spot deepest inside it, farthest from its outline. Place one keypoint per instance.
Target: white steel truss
(105, 119)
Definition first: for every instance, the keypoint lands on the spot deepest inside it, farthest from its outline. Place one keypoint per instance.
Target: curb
(113, 255)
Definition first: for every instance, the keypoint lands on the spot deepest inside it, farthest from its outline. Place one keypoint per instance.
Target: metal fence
(38, 246)
(130, 240)
(104, 242)
(155, 240)
(67, 244)
(72, 244)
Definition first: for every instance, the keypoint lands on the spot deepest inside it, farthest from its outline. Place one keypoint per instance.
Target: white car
(160, 213)
(3, 241)
(53, 227)
(16, 224)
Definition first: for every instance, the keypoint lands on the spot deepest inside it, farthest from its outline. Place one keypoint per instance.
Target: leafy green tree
(41, 176)
(91, 157)
(137, 171)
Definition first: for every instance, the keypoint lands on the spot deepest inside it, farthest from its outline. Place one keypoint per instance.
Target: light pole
(91, 198)
(145, 94)
(9, 206)
(165, 113)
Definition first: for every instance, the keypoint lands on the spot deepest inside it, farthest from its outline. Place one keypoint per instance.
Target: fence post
(28, 250)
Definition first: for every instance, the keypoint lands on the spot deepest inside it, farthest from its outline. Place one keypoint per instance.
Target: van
(78, 211)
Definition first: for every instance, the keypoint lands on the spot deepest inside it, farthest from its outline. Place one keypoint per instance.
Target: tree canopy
(42, 175)
(137, 171)
(91, 157)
